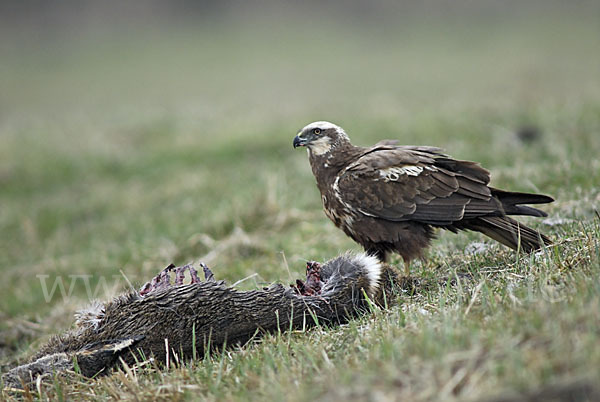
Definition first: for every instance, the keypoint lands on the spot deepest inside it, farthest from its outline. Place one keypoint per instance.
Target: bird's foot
(163, 279)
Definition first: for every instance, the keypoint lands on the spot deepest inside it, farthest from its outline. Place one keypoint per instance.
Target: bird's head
(320, 137)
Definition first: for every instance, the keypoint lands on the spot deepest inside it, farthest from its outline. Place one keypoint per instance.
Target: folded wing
(420, 184)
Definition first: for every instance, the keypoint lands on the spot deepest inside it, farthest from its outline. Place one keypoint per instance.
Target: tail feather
(512, 197)
(509, 232)
(511, 202)
(527, 211)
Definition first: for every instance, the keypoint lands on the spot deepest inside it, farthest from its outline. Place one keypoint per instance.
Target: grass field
(124, 150)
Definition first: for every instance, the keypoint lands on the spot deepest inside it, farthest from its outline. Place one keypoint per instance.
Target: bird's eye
(317, 131)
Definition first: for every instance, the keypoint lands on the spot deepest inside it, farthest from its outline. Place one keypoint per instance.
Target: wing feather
(408, 183)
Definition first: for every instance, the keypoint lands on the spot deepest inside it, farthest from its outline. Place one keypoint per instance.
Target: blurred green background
(128, 128)
(135, 134)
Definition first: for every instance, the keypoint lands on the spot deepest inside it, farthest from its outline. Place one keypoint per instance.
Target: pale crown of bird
(323, 125)
(317, 137)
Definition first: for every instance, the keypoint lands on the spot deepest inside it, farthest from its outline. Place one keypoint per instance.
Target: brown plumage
(389, 198)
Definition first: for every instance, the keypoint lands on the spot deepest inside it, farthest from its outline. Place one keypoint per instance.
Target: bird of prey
(390, 198)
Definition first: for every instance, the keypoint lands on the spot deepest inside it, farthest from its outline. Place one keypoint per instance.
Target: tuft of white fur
(91, 316)
(373, 268)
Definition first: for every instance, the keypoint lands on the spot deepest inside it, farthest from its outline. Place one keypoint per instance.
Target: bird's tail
(511, 202)
(509, 232)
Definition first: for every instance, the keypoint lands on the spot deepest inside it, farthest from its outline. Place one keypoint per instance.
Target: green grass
(173, 144)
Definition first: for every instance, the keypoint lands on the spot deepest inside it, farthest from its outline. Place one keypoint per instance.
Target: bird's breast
(342, 216)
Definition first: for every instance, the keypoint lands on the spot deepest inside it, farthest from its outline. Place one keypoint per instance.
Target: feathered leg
(406, 267)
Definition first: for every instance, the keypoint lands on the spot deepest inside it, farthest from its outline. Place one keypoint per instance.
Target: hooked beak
(299, 142)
